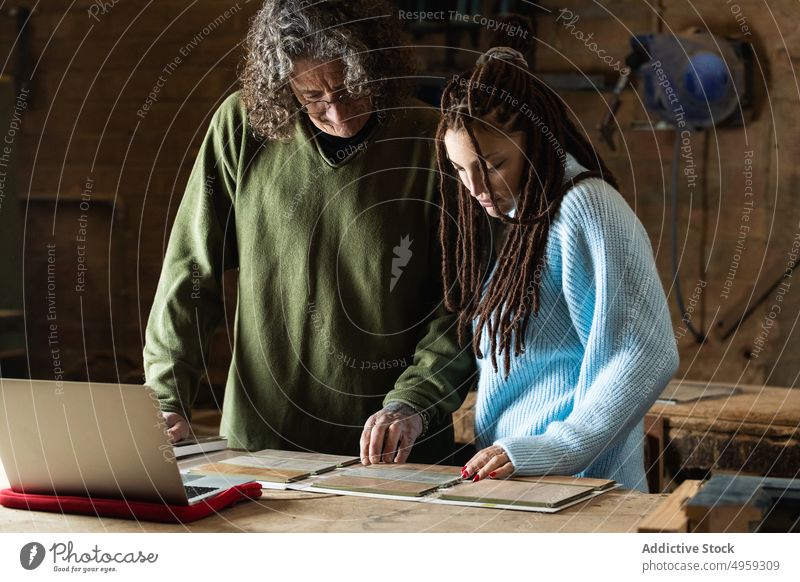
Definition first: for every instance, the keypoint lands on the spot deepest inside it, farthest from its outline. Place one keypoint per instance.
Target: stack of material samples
(341, 475)
(194, 446)
(527, 492)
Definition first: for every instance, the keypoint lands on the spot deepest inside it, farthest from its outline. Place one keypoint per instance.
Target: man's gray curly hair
(365, 34)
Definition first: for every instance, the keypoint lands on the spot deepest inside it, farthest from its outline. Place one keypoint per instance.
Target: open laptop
(91, 439)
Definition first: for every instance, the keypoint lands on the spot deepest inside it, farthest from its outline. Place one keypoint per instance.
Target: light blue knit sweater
(597, 356)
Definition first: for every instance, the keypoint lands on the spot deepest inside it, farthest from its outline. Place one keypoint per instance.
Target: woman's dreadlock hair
(513, 291)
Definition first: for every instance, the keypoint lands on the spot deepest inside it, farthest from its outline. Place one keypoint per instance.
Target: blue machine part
(707, 77)
(698, 79)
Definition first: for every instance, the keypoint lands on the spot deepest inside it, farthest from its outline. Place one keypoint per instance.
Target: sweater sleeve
(441, 374)
(619, 311)
(188, 304)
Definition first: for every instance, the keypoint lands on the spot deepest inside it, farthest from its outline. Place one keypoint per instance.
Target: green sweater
(339, 297)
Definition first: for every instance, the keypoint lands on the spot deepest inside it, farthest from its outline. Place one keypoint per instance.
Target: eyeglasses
(320, 106)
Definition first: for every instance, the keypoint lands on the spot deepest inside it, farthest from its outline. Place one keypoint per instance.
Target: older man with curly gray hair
(316, 181)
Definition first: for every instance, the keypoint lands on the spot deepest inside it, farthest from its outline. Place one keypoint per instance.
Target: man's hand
(177, 426)
(389, 434)
(491, 462)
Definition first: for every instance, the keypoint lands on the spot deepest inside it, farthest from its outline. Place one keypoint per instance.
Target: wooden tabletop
(754, 431)
(767, 406)
(295, 511)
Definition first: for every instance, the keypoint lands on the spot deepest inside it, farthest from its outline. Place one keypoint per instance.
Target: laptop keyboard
(192, 491)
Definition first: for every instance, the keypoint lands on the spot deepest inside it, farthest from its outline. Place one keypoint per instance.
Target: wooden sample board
(540, 494)
(594, 483)
(271, 466)
(513, 493)
(408, 479)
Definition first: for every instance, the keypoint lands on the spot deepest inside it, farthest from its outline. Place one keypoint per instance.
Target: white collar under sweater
(571, 169)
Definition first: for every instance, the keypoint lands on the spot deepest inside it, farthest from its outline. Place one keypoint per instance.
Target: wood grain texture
(595, 484)
(506, 492)
(670, 516)
(407, 479)
(280, 511)
(257, 473)
(419, 467)
(274, 465)
(375, 485)
(755, 431)
(752, 404)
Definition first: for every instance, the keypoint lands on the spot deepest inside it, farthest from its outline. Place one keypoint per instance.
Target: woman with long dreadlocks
(543, 257)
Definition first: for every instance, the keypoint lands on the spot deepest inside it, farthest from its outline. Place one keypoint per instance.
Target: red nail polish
(493, 474)
(476, 479)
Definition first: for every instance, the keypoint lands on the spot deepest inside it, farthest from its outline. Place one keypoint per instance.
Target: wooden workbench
(293, 511)
(755, 431)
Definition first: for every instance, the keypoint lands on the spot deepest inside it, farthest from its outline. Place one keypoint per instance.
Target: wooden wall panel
(92, 77)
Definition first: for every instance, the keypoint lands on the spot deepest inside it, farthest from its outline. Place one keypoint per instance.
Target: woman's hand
(491, 462)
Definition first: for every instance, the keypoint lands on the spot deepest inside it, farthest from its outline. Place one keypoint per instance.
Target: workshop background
(87, 162)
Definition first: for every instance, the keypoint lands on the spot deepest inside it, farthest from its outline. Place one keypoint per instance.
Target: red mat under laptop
(138, 510)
